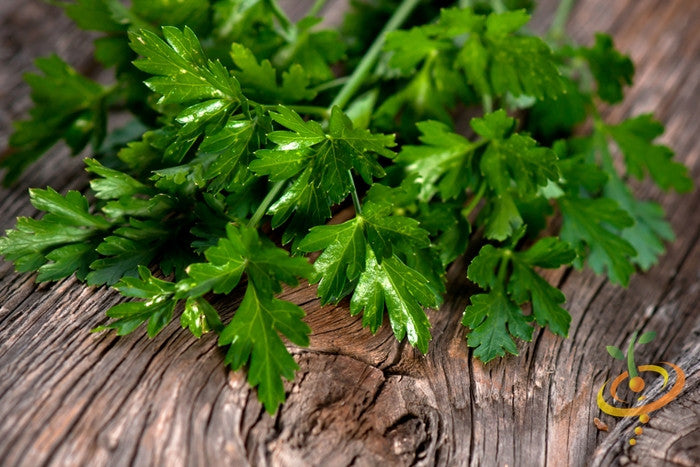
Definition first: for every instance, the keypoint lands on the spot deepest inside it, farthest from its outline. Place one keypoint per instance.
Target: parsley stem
(331, 84)
(303, 109)
(282, 18)
(498, 6)
(631, 367)
(503, 269)
(355, 197)
(316, 8)
(487, 102)
(558, 28)
(266, 202)
(474, 201)
(365, 66)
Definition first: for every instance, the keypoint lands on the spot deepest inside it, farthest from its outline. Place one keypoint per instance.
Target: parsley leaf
(42, 244)
(635, 138)
(593, 226)
(253, 336)
(67, 106)
(157, 309)
(611, 69)
(514, 167)
(487, 317)
(404, 291)
(321, 162)
(488, 314)
(259, 80)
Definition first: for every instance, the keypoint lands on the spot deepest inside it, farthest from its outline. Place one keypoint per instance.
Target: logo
(641, 407)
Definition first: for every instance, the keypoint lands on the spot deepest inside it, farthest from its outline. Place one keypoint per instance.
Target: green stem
(503, 268)
(315, 10)
(281, 16)
(474, 201)
(303, 109)
(364, 68)
(498, 6)
(331, 84)
(266, 202)
(487, 102)
(355, 197)
(558, 28)
(631, 367)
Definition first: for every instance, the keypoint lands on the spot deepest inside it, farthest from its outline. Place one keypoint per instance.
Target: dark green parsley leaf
(441, 164)
(113, 184)
(157, 308)
(526, 284)
(593, 227)
(344, 245)
(96, 15)
(482, 269)
(184, 75)
(260, 80)
(487, 317)
(254, 338)
(326, 160)
(342, 260)
(404, 291)
(650, 229)
(514, 167)
(490, 268)
(387, 233)
(242, 250)
(67, 106)
(121, 256)
(314, 51)
(205, 92)
(497, 60)
(66, 260)
(635, 138)
(611, 69)
(35, 244)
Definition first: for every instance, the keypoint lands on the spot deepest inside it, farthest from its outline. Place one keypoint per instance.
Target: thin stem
(303, 109)
(331, 84)
(474, 201)
(558, 28)
(315, 10)
(498, 6)
(631, 367)
(355, 198)
(503, 268)
(365, 66)
(281, 16)
(266, 202)
(363, 70)
(487, 102)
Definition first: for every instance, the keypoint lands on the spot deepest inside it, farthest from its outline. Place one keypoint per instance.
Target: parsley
(251, 131)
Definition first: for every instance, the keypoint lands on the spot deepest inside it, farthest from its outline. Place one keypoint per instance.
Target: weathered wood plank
(71, 397)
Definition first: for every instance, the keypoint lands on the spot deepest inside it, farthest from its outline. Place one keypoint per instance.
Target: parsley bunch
(250, 131)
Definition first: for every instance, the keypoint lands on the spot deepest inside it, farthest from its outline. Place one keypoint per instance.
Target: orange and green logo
(636, 384)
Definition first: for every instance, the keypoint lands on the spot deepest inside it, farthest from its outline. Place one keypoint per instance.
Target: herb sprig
(246, 119)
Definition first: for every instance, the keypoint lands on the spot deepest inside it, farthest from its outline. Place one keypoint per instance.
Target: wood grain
(68, 397)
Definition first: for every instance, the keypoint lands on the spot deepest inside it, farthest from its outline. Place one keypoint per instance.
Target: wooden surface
(68, 397)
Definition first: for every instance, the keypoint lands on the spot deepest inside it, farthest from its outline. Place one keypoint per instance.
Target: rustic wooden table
(69, 397)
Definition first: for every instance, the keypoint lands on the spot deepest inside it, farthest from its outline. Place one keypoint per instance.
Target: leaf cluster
(250, 132)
